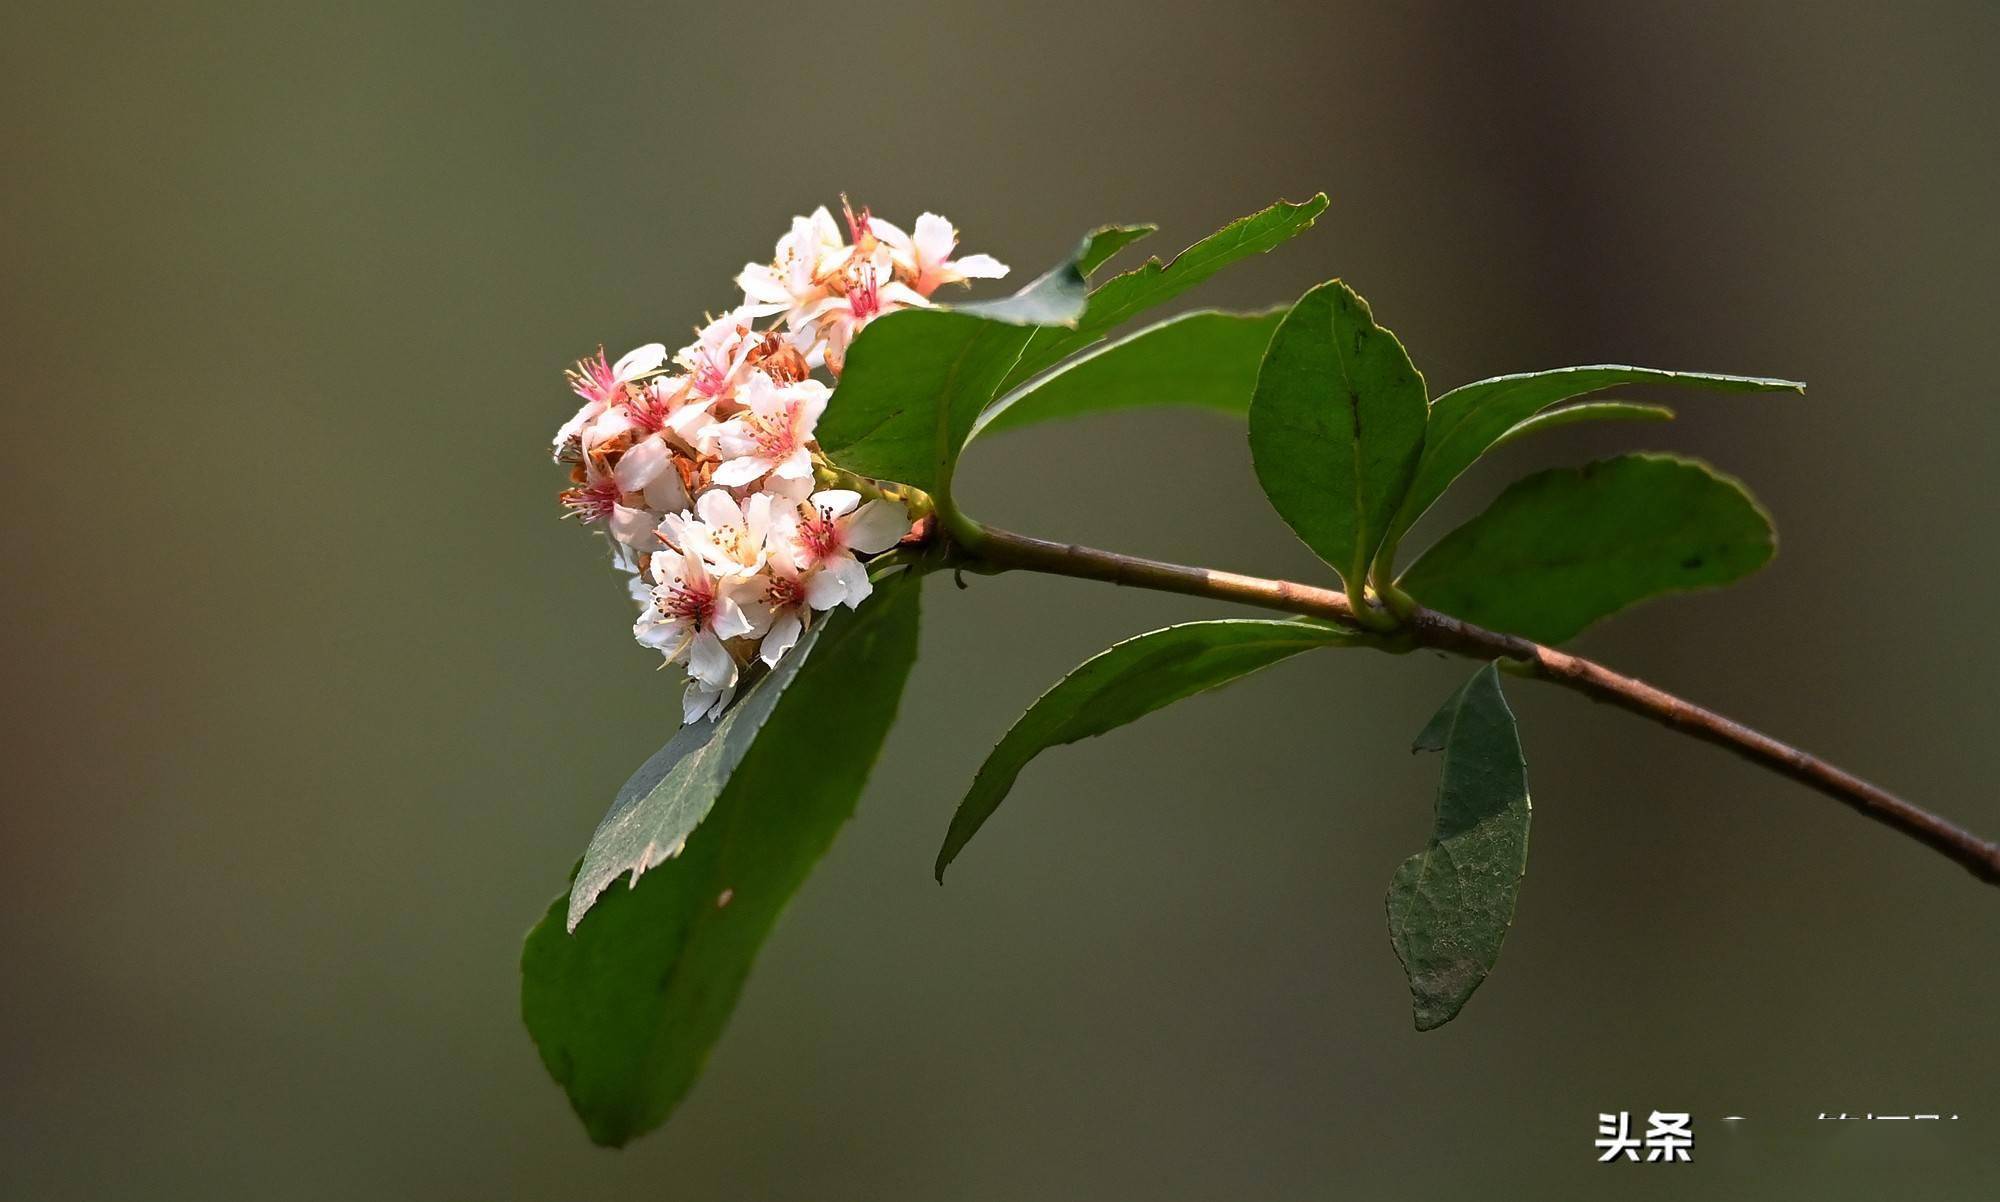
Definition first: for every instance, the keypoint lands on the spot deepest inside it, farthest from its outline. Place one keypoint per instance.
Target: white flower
(796, 276)
(666, 410)
(923, 256)
(715, 359)
(771, 436)
(869, 290)
(629, 517)
(780, 608)
(820, 539)
(727, 537)
(692, 613)
(600, 383)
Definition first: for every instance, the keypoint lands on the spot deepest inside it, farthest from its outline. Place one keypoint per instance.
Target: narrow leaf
(625, 1010)
(1588, 411)
(1123, 684)
(1336, 425)
(1561, 549)
(1204, 360)
(1100, 244)
(1467, 422)
(915, 380)
(1450, 905)
(1124, 297)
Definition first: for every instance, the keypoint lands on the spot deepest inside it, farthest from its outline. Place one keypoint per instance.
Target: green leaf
(1152, 283)
(1588, 411)
(625, 1010)
(1123, 684)
(670, 794)
(1206, 360)
(1100, 244)
(1561, 549)
(1450, 905)
(915, 380)
(1336, 425)
(1467, 422)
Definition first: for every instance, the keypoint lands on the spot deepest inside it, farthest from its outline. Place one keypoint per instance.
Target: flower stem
(1001, 550)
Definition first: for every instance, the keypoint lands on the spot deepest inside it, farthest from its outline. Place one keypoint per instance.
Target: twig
(1003, 550)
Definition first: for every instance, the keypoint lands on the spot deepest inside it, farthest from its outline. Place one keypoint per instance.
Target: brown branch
(1427, 628)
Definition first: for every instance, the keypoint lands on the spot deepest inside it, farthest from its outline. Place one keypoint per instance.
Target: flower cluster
(702, 464)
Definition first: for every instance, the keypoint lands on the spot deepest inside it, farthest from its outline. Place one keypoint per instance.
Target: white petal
(718, 508)
(796, 466)
(979, 267)
(700, 701)
(640, 361)
(824, 590)
(757, 518)
(730, 622)
(896, 293)
(666, 493)
(738, 472)
(878, 526)
(855, 585)
(785, 629)
(934, 238)
(643, 463)
(792, 491)
(836, 501)
(573, 428)
(634, 527)
(709, 661)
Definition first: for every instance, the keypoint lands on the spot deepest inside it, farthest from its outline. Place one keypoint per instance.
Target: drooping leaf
(1100, 244)
(1336, 425)
(1123, 684)
(1124, 297)
(1588, 411)
(1450, 905)
(1467, 422)
(625, 1009)
(1560, 549)
(915, 380)
(1206, 360)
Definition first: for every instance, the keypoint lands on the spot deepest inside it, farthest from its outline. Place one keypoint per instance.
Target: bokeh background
(311, 700)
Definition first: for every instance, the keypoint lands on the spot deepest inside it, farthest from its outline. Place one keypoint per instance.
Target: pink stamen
(784, 591)
(819, 537)
(857, 227)
(774, 436)
(690, 605)
(592, 380)
(593, 502)
(864, 297)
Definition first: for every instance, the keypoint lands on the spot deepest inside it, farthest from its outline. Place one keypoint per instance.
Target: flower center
(819, 537)
(691, 605)
(592, 502)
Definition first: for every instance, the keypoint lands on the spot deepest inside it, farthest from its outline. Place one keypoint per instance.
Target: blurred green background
(312, 700)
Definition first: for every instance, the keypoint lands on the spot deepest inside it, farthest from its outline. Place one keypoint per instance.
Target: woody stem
(1001, 550)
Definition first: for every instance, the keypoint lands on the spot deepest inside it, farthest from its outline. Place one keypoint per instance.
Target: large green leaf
(915, 380)
(1336, 425)
(1206, 360)
(625, 1009)
(1450, 905)
(1124, 297)
(1467, 422)
(1123, 684)
(1561, 549)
